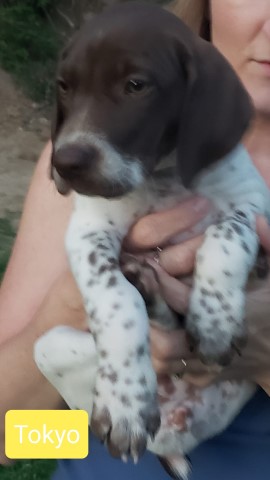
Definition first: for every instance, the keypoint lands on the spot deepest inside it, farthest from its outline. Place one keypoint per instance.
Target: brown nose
(74, 161)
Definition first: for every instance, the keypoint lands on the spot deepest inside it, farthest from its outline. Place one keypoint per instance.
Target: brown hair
(195, 13)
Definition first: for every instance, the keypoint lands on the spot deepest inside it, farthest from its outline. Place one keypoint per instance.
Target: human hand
(169, 348)
(184, 222)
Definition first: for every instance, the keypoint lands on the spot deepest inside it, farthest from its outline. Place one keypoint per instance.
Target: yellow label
(46, 434)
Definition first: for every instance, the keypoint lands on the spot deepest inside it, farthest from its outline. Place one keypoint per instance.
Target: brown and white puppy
(144, 109)
(138, 79)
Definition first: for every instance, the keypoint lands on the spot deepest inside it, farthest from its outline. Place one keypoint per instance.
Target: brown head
(135, 84)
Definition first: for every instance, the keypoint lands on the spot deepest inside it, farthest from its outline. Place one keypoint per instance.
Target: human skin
(241, 31)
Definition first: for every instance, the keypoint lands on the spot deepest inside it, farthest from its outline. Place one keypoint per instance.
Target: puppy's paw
(125, 409)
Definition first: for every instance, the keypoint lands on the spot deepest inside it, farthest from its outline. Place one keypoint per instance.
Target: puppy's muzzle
(73, 162)
(73, 166)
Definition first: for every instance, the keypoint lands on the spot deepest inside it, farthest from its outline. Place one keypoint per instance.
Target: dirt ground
(24, 129)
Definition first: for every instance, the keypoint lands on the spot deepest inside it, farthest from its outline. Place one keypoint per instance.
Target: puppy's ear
(217, 110)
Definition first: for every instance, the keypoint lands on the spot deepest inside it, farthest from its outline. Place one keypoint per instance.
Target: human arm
(37, 260)
(38, 256)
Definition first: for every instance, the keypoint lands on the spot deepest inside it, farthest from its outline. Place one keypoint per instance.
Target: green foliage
(29, 45)
(28, 470)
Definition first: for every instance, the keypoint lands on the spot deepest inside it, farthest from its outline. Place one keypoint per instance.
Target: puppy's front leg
(125, 408)
(216, 317)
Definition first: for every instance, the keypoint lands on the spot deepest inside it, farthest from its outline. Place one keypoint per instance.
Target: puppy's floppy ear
(217, 110)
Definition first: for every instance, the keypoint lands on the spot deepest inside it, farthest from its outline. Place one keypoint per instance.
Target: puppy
(145, 111)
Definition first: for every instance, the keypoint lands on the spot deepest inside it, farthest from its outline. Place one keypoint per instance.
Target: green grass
(23, 469)
(28, 470)
(29, 46)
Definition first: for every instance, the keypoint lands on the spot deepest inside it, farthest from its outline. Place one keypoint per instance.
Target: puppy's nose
(73, 160)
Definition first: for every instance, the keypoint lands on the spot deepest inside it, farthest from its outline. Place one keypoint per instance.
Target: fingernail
(201, 204)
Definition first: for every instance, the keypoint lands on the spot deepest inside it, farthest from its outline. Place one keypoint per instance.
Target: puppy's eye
(63, 87)
(136, 86)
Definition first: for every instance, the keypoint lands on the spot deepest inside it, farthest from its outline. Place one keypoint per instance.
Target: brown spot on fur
(245, 247)
(129, 324)
(237, 228)
(140, 350)
(101, 246)
(125, 400)
(113, 377)
(142, 381)
(242, 214)
(225, 250)
(226, 307)
(143, 397)
(88, 236)
(103, 268)
(92, 258)
(205, 292)
(229, 234)
(112, 282)
(219, 296)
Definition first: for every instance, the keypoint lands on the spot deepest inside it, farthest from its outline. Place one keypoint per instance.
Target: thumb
(263, 230)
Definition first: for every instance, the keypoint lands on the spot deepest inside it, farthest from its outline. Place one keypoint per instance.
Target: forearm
(22, 384)
(38, 257)
(37, 260)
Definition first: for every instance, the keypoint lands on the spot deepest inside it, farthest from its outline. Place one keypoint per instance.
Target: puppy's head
(133, 85)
